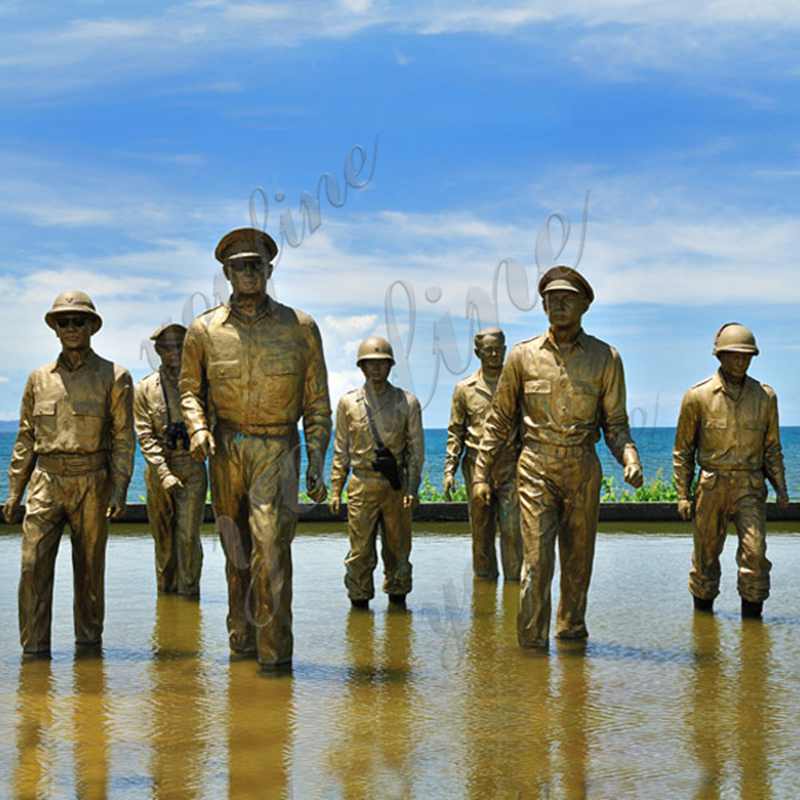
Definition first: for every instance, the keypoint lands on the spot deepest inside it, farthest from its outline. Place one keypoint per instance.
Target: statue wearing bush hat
(74, 453)
(251, 369)
(566, 387)
(176, 483)
(728, 425)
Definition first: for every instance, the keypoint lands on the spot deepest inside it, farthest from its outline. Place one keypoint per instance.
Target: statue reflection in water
(179, 737)
(261, 715)
(731, 720)
(373, 756)
(532, 743)
(39, 740)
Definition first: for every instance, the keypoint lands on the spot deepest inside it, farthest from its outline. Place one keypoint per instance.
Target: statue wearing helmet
(379, 440)
(74, 452)
(728, 425)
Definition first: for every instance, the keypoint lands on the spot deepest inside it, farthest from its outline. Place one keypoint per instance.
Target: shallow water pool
(435, 702)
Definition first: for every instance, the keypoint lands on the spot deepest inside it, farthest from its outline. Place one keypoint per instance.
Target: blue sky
(133, 136)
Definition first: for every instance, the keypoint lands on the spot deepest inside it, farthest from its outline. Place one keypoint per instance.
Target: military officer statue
(74, 452)
(251, 368)
(379, 438)
(728, 424)
(567, 386)
(176, 483)
(471, 401)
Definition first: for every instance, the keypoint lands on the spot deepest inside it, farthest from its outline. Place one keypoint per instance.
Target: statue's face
(169, 347)
(491, 351)
(376, 370)
(735, 364)
(248, 275)
(564, 308)
(74, 331)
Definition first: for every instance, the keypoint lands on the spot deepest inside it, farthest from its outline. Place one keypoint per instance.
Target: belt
(72, 463)
(271, 431)
(560, 451)
(734, 472)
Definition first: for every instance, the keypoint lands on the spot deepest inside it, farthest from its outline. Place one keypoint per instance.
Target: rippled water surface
(435, 702)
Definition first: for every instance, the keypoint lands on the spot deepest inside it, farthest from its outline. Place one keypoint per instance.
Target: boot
(398, 600)
(751, 610)
(703, 604)
(359, 603)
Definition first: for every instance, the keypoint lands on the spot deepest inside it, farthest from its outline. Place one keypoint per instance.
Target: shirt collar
(721, 385)
(61, 363)
(268, 310)
(549, 342)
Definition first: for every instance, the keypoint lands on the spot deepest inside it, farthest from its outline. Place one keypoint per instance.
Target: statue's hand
(483, 492)
(315, 486)
(335, 504)
(171, 483)
(633, 474)
(410, 500)
(116, 504)
(449, 485)
(12, 510)
(201, 445)
(782, 500)
(685, 509)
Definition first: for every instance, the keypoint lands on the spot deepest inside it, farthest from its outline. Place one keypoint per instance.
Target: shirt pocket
(90, 416)
(223, 370)
(224, 387)
(583, 404)
(715, 435)
(44, 416)
(538, 398)
(279, 386)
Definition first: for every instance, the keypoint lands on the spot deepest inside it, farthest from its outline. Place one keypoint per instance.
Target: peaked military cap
(566, 279)
(246, 243)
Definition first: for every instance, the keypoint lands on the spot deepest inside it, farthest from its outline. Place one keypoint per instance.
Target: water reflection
(91, 725)
(35, 692)
(178, 696)
(573, 697)
(371, 757)
(260, 720)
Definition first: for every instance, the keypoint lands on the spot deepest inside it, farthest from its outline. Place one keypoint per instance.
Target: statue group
(232, 389)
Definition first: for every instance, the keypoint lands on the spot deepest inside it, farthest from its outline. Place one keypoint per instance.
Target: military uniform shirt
(78, 411)
(723, 432)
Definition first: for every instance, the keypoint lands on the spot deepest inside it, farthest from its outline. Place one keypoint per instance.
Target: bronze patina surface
(251, 369)
(472, 399)
(567, 386)
(378, 415)
(176, 483)
(728, 425)
(74, 453)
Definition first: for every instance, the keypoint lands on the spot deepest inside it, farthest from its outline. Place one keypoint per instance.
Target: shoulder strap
(372, 426)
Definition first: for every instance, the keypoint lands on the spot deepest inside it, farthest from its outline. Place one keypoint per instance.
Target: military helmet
(168, 326)
(374, 348)
(733, 337)
(73, 302)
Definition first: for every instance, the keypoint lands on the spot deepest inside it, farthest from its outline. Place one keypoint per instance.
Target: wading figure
(379, 437)
(567, 386)
(251, 368)
(74, 451)
(472, 398)
(728, 424)
(176, 483)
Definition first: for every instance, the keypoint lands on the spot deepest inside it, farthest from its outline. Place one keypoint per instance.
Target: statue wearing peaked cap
(251, 369)
(176, 483)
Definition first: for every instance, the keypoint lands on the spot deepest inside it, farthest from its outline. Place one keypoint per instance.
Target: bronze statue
(379, 438)
(728, 424)
(251, 368)
(176, 483)
(74, 452)
(471, 401)
(567, 386)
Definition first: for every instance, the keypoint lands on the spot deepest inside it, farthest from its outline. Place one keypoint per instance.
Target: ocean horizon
(655, 448)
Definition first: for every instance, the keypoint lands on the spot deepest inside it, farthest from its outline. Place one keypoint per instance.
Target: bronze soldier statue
(74, 452)
(176, 483)
(379, 438)
(568, 387)
(728, 424)
(251, 368)
(471, 401)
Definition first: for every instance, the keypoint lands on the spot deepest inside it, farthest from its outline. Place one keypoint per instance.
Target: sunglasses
(71, 322)
(242, 266)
